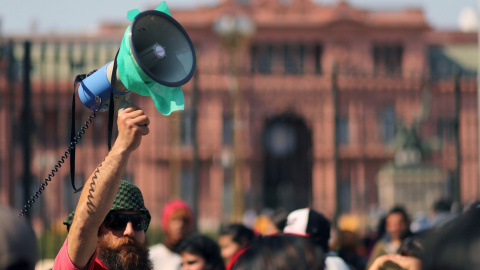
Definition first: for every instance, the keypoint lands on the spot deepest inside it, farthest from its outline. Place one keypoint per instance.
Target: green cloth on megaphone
(166, 99)
(162, 7)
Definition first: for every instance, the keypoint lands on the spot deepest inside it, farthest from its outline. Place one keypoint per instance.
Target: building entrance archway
(287, 172)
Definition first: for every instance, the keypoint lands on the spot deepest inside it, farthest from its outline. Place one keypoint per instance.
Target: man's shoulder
(158, 248)
(63, 262)
(163, 258)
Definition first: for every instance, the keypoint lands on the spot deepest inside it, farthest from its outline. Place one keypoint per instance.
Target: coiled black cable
(62, 159)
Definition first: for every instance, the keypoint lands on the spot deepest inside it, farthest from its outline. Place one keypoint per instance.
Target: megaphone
(155, 58)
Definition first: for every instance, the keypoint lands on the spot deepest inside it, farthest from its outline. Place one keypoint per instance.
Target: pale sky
(67, 16)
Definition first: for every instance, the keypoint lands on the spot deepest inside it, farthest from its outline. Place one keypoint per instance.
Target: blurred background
(348, 107)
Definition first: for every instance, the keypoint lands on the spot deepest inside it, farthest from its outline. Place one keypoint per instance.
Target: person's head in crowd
(199, 252)
(397, 224)
(263, 225)
(233, 238)
(442, 205)
(454, 246)
(125, 225)
(397, 228)
(349, 246)
(270, 221)
(442, 213)
(177, 223)
(281, 252)
(18, 244)
(309, 222)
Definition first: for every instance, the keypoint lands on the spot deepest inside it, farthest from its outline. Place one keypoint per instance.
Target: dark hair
(411, 247)
(454, 246)
(389, 265)
(381, 230)
(442, 205)
(283, 251)
(205, 247)
(240, 234)
(399, 210)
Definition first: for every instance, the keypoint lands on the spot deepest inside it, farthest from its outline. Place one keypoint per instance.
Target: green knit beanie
(129, 198)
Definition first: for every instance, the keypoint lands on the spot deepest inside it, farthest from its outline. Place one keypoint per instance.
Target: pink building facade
(301, 113)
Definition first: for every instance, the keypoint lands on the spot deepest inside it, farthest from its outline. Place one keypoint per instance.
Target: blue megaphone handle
(95, 89)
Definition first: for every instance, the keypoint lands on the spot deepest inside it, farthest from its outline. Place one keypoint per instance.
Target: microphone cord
(70, 149)
(75, 139)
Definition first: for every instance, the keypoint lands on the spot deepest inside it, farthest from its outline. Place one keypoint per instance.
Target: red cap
(173, 206)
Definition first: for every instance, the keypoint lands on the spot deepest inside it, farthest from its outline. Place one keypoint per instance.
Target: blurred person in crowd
(441, 213)
(349, 247)
(262, 225)
(177, 223)
(249, 217)
(408, 257)
(372, 236)
(234, 238)
(199, 252)
(397, 228)
(454, 246)
(107, 229)
(271, 222)
(419, 222)
(281, 252)
(18, 244)
(308, 222)
(345, 240)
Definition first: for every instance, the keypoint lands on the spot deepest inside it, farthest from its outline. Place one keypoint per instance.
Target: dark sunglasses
(119, 221)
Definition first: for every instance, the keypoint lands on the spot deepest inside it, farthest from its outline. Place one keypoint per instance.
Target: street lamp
(235, 31)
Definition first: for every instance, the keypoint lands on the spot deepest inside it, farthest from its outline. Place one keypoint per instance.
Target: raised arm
(101, 188)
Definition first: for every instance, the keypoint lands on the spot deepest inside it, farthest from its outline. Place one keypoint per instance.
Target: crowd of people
(108, 231)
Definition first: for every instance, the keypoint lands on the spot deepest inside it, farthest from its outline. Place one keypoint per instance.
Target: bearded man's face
(123, 249)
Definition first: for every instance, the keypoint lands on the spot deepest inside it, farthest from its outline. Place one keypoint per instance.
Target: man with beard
(107, 229)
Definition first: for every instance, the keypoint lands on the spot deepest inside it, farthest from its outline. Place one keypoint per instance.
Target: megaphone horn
(155, 50)
(162, 48)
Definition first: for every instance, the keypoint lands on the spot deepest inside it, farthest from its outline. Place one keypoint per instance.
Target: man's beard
(115, 257)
